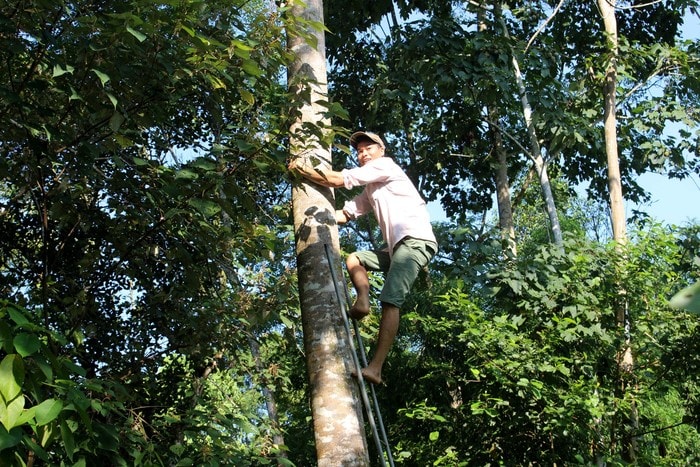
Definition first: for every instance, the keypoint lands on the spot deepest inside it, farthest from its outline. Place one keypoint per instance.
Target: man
(405, 224)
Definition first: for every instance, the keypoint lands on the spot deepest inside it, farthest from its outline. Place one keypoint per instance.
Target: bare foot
(360, 309)
(370, 375)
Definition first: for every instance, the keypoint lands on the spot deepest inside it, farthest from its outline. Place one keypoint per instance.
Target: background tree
(115, 243)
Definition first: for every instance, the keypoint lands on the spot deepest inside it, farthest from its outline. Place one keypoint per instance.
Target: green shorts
(401, 269)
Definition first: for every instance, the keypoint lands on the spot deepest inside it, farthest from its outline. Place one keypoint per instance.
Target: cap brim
(358, 136)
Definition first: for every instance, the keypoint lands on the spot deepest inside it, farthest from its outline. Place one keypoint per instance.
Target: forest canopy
(150, 307)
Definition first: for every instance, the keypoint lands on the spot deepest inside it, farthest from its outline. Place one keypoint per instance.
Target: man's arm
(325, 177)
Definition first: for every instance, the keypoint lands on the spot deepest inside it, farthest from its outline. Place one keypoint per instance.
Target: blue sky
(673, 201)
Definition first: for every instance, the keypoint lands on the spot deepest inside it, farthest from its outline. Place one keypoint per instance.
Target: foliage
(49, 409)
(149, 305)
(139, 214)
(529, 374)
(426, 80)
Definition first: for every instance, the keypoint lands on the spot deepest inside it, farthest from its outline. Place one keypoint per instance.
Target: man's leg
(409, 257)
(388, 328)
(358, 276)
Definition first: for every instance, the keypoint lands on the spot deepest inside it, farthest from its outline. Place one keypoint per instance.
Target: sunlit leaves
(139, 36)
(152, 133)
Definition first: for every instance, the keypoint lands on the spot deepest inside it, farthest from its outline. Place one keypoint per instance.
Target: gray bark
(535, 149)
(335, 403)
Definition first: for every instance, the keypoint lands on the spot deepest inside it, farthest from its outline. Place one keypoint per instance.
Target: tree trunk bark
(625, 358)
(503, 200)
(335, 404)
(270, 401)
(505, 211)
(535, 150)
(617, 211)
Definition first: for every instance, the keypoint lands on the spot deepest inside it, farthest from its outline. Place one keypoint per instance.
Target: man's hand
(297, 165)
(340, 217)
(329, 178)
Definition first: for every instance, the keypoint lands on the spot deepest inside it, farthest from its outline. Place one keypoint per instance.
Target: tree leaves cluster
(138, 214)
(520, 366)
(425, 81)
(149, 314)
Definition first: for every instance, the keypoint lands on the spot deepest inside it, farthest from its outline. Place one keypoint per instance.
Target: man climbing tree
(405, 224)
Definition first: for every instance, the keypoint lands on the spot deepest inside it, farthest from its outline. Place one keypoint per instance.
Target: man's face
(367, 151)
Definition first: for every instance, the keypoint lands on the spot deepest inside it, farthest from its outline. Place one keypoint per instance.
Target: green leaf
(26, 344)
(104, 78)
(73, 367)
(107, 436)
(139, 36)
(47, 411)
(687, 299)
(11, 438)
(216, 82)
(10, 413)
(68, 440)
(174, 212)
(58, 70)
(261, 165)
(114, 102)
(204, 164)
(11, 377)
(6, 337)
(205, 207)
(38, 450)
(251, 68)
(25, 415)
(74, 96)
(17, 316)
(123, 141)
(186, 174)
(116, 121)
(247, 96)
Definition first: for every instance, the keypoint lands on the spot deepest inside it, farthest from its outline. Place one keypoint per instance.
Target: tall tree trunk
(505, 211)
(503, 201)
(625, 359)
(535, 150)
(335, 405)
(617, 211)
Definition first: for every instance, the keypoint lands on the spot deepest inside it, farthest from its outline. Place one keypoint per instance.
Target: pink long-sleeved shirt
(399, 208)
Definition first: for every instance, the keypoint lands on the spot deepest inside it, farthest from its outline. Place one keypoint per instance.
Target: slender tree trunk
(625, 359)
(335, 405)
(270, 401)
(503, 201)
(617, 211)
(535, 150)
(505, 211)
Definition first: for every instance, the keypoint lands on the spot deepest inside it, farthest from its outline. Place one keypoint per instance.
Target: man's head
(368, 136)
(368, 145)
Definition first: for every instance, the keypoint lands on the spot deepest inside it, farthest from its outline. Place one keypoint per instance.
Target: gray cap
(358, 136)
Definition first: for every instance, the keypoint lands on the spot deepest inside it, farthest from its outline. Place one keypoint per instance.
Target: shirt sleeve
(374, 172)
(357, 206)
